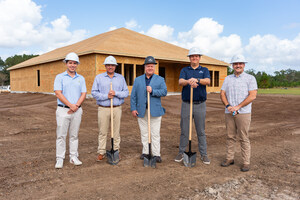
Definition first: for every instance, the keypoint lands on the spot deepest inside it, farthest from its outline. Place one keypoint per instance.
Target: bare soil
(27, 154)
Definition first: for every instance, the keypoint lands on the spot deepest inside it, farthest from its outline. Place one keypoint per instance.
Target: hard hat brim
(194, 54)
(65, 61)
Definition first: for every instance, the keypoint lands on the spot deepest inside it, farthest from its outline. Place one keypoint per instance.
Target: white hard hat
(239, 58)
(194, 51)
(72, 56)
(110, 60)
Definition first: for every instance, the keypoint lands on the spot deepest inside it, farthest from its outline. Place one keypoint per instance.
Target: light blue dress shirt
(101, 87)
(71, 87)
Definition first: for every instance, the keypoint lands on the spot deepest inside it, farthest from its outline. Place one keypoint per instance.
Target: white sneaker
(59, 163)
(74, 160)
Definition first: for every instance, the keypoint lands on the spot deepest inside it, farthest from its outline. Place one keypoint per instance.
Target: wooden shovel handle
(149, 129)
(111, 114)
(191, 114)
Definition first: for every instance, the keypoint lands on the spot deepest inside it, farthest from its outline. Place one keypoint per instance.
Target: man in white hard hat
(70, 90)
(237, 93)
(197, 77)
(103, 94)
(156, 86)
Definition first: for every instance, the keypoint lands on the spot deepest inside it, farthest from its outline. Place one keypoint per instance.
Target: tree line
(9, 62)
(282, 78)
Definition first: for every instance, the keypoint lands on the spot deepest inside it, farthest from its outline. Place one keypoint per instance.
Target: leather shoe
(158, 159)
(245, 168)
(100, 157)
(142, 156)
(227, 163)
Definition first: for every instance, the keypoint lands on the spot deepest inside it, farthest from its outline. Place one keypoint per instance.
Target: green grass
(293, 91)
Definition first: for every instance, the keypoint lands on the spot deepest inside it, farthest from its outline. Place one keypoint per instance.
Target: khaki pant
(155, 134)
(104, 127)
(67, 123)
(237, 127)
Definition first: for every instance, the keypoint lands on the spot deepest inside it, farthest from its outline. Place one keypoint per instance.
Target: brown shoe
(100, 157)
(245, 168)
(227, 163)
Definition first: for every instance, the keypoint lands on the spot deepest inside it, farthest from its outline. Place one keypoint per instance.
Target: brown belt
(108, 106)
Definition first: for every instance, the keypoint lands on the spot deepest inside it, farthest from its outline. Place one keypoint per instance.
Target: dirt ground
(27, 154)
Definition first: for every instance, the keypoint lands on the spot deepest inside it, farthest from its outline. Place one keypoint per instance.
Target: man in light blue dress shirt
(70, 89)
(103, 94)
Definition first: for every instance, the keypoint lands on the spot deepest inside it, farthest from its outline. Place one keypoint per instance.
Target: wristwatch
(198, 80)
(227, 105)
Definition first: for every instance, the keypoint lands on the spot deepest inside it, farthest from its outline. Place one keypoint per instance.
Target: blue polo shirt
(199, 93)
(71, 87)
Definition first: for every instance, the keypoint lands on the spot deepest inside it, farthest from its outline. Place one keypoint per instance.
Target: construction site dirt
(27, 154)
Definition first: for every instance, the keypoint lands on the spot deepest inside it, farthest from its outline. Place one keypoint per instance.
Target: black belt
(108, 106)
(194, 102)
(65, 106)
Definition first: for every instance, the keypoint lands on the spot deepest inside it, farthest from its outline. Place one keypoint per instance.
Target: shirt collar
(241, 75)
(108, 76)
(66, 74)
(198, 68)
(148, 78)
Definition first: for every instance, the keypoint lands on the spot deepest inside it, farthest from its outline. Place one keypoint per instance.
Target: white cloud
(112, 28)
(206, 35)
(162, 32)
(268, 50)
(20, 22)
(131, 24)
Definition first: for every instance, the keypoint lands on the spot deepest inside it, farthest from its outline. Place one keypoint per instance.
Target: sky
(266, 32)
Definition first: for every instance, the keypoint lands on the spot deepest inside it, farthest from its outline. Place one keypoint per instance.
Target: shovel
(112, 155)
(149, 160)
(189, 158)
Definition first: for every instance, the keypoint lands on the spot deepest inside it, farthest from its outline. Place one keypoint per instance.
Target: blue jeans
(199, 113)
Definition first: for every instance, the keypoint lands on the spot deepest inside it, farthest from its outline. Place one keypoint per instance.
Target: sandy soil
(27, 154)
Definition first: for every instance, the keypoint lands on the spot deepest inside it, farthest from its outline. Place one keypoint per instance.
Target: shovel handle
(149, 129)
(111, 114)
(191, 114)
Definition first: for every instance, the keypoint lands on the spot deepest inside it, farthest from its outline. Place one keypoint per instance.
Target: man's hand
(134, 113)
(149, 89)
(193, 82)
(73, 107)
(111, 94)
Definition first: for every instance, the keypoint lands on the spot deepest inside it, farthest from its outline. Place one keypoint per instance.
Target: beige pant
(238, 126)
(155, 134)
(104, 127)
(67, 122)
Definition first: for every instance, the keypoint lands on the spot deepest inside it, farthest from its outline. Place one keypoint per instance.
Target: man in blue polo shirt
(197, 77)
(70, 90)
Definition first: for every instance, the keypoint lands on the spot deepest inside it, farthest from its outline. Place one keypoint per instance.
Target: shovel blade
(149, 161)
(189, 159)
(113, 157)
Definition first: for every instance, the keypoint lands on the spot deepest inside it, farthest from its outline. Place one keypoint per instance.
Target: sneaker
(245, 168)
(205, 160)
(179, 157)
(100, 157)
(75, 161)
(142, 156)
(59, 163)
(227, 163)
(158, 159)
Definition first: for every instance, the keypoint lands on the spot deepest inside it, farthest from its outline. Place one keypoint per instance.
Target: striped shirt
(237, 90)
(101, 87)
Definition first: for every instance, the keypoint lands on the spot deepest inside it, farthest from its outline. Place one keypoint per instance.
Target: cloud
(162, 32)
(23, 27)
(269, 50)
(112, 28)
(131, 24)
(206, 35)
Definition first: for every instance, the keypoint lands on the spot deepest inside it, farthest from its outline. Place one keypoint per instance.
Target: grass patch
(293, 91)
